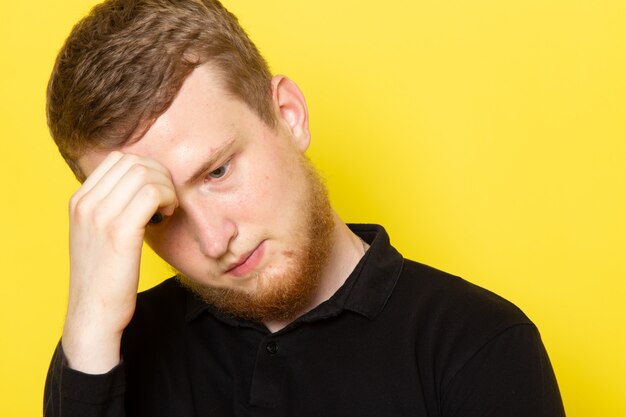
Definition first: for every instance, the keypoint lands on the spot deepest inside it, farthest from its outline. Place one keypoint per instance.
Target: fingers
(108, 216)
(145, 202)
(111, 159)
(125, 182)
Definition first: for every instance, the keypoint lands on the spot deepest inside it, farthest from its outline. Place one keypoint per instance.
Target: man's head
(123, 64)
(178, 84)
(253, 229)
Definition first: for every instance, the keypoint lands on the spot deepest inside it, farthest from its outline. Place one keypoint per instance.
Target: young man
(168, 115)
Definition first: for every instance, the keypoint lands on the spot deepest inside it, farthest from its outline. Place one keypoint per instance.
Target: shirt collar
(380, 269)
(365, 291)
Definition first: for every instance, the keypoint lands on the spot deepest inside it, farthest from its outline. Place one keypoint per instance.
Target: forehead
(202, 118)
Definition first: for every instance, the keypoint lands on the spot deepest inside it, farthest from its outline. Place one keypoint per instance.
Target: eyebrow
(218, 154)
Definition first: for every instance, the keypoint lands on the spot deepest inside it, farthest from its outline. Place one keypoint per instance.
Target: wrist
(91, 349)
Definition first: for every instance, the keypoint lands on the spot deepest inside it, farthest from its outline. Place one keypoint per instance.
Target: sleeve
(510, 375)
(70, 393)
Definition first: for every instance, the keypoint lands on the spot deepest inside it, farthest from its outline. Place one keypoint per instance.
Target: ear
(292, 110)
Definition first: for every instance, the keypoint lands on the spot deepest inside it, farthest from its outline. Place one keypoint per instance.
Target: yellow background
(488, 136)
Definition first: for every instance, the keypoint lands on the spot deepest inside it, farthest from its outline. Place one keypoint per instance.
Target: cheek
(274, 193)
(260, 190)
(170, 242)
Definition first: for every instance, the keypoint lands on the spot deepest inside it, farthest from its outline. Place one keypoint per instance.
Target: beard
(285, 295)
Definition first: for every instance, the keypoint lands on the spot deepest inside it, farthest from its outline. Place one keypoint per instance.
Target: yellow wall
(488, 136)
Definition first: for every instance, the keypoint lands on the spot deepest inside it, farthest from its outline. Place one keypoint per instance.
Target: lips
(247, 262)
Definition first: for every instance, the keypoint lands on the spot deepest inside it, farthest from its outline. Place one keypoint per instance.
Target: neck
(347, 250)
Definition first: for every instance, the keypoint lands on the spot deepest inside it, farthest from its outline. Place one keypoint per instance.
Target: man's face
(253, 226)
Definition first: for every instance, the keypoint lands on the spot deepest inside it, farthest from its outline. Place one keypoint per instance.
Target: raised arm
(108, 218)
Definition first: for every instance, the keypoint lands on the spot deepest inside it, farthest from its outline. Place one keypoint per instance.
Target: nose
(211, 227)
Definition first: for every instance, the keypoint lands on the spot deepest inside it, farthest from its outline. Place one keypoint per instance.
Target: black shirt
(397, 339)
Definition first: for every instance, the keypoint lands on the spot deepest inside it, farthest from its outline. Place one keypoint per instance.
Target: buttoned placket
(269, 373)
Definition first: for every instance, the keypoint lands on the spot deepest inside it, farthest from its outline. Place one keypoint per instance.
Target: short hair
(123, 64)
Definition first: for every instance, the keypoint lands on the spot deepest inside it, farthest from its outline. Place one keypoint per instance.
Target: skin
(229, 187)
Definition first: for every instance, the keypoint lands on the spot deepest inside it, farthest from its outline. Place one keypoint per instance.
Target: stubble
(283, 296)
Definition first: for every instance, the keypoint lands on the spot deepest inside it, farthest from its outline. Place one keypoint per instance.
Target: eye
(156, 218)
(219, 172)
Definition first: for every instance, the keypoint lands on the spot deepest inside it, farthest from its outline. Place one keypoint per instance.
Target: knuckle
(79, 207)
(151, 191)
(115, 230)
(74, 203)
(99, 217)
(139, 170)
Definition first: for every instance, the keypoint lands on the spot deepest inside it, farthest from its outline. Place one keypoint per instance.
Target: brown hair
(123, 64)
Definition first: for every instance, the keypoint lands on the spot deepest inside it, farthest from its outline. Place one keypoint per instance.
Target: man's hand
(108, 218)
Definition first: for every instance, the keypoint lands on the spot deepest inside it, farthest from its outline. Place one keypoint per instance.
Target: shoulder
(451, 318)
(449, 300)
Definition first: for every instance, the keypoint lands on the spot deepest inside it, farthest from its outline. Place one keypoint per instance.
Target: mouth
(247, 262)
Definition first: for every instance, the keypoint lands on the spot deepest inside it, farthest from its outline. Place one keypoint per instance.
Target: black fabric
(397, 339)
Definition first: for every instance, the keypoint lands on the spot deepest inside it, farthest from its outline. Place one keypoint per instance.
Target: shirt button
(271, 348)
